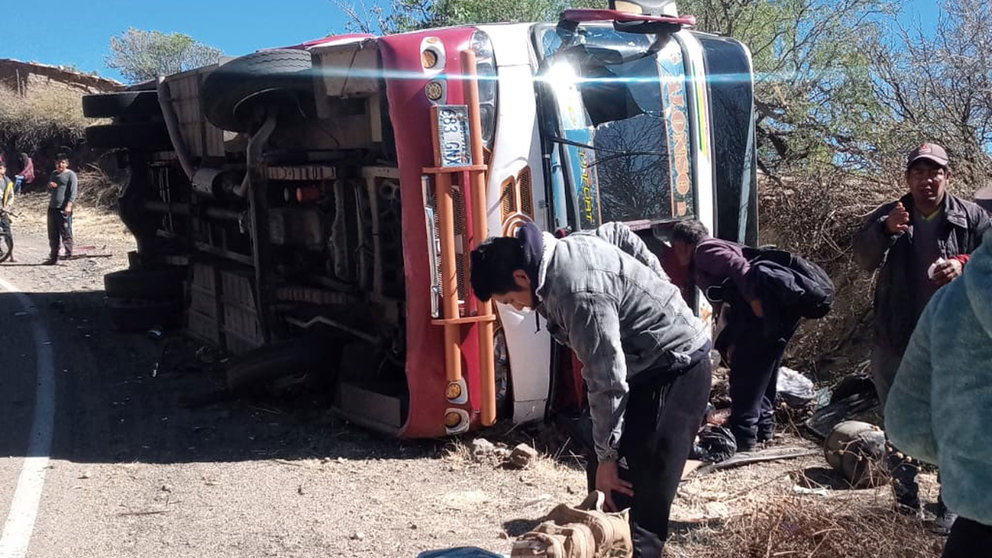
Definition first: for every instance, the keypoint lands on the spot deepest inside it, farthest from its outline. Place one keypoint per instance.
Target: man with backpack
(917, 243)
(763, 294)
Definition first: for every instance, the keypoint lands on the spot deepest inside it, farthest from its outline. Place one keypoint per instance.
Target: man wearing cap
(918, 243)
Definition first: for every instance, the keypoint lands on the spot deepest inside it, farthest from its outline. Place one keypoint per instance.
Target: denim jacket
(940, 404)
(605, 295)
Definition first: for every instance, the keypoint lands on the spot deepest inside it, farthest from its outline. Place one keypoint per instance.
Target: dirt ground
(152, 457)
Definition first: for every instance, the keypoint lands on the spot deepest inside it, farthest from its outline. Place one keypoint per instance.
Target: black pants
(753, 381)
(967, 539)
(660, 424)
(59, 230)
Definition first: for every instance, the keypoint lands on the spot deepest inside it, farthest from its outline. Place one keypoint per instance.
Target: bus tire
(123, 104)
(269, 363)
(164, 283)
(145, 136)
(230, 92)
(6, 246)
(142, 315)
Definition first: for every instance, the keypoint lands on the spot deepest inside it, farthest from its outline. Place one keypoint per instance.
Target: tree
(141, 55)
(407, 15)
(814, 98)
(938, 87)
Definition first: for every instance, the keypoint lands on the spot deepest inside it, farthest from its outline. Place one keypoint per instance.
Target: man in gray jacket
(920, 242)
(63, 186)
(645, 356)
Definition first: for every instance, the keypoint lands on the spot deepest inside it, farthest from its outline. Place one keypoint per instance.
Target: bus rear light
(307, 194)
(434, 90)
(457, 392)
(429, 58)
(486, 76)
(456, 421)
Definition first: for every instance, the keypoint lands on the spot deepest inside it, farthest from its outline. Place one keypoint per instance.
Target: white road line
(19, 526)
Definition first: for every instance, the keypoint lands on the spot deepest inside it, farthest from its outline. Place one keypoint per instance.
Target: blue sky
(79, 31)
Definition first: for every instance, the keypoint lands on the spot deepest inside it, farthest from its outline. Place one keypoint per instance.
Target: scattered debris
(747, 458)
(538, 500)
(482, 448)
(857, 450)
(794, 389)
(717, 510)
(714, 444)
(824, 420)
(821, 491)
(521, 457)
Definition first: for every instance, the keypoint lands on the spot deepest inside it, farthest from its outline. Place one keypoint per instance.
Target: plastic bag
(793, 388)
(716, 444)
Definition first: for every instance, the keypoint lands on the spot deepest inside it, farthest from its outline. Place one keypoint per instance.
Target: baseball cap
(930, 151)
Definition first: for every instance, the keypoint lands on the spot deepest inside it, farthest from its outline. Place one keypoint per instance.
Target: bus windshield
(620, 132)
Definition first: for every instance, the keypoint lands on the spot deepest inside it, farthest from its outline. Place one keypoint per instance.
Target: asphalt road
(150, 456)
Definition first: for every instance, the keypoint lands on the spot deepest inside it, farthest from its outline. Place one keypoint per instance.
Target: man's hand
(898, 220)
(756, 307)
(608, 480)
(946, 271)
(52, 185)
(68, 209)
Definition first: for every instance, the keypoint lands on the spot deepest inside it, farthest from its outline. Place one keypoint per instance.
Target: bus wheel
(148, 136)
(6, 246)
(141, 315)
(149, 284)
(232, 93)
(314, 360)
(122, 104)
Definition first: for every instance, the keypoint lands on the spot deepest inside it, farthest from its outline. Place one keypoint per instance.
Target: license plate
(454, 141)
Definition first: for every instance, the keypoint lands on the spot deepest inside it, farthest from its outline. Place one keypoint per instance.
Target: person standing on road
(6, 200)
(63, 186)
(755, 337)
(918, 243)
(645, 356)
(939, 406)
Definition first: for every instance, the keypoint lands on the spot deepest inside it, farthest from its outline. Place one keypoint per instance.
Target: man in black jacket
(919, 242)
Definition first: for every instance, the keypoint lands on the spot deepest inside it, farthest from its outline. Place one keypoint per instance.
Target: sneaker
(50, 261)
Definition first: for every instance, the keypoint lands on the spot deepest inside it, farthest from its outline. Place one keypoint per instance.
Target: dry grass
(50, 116)
(830, 208)
(814, 528)
(97, 189)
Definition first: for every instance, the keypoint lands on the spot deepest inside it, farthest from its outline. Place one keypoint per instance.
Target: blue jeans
(18, 182)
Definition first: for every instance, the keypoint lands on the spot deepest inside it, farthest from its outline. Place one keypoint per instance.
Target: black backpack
(812, 293)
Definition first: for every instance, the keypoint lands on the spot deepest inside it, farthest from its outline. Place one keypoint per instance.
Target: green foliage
(142, 55)
(813, 76)
(938, 87)
(408, 15)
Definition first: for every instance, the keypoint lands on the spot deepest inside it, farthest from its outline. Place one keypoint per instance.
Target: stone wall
(23, 77)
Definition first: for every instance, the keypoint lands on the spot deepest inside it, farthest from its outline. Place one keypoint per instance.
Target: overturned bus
(313, 207)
